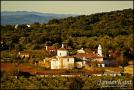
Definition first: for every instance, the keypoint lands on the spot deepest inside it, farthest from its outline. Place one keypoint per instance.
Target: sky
(66, 7)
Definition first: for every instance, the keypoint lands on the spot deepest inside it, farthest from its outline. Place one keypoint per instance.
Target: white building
(80, 51)
(28, 25)
(99, 51)
(55, 64)
(62, 60)
(62, 52)
(23, 54)
(90, 57)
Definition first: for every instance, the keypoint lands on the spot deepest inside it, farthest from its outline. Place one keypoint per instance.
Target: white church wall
(55, 64)
(68, 62)
(62, 53)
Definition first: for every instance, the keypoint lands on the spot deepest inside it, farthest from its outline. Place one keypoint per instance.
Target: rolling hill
(25, 17)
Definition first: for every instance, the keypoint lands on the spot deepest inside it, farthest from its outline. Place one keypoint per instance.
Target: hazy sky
(66, 7)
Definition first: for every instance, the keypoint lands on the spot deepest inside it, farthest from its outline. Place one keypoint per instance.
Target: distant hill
(25, 17)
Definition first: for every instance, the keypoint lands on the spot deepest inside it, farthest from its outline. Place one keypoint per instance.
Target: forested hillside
(113, 30)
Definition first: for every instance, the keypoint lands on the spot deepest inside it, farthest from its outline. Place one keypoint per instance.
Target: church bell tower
(99, 51)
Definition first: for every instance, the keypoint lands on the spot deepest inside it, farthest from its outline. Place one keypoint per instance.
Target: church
(63, 61)
(83, 59)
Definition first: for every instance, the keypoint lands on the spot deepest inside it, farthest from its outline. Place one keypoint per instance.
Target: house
(81, 51)
(23, 54)
(28, 25)
(45, 63)
(84, 58)
(50, 48)
(62, 60)
(89, 57)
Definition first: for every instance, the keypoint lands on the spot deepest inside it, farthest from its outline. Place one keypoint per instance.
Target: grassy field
(10, 67)
(33, 69)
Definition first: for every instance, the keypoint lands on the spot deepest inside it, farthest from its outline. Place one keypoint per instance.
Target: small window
(68, 60)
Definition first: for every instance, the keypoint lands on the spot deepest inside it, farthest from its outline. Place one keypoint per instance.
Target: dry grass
(8, 67)
(116, 69)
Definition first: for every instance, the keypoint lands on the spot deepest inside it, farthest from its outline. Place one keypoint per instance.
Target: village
(71, 45)
(59, 62)
(79, 64)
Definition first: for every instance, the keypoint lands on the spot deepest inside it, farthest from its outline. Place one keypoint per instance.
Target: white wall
(103, 65)
(55, 64)
(80, 51)
(68, 63)
(61, 53)
(99, 59)
(99, 51)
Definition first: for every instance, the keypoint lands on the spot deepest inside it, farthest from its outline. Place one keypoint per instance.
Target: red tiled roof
(86, 55)
(49, 48)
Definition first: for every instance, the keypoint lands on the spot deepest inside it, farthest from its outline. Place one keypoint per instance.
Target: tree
(76, 83)
(19, 47)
